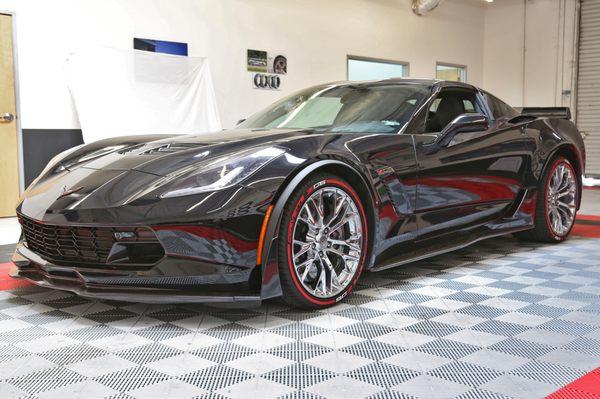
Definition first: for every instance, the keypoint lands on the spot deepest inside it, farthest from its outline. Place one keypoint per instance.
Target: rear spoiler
(547, 112)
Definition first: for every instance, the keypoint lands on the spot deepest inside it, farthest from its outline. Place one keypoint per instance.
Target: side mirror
(464, 123)
(240, 121)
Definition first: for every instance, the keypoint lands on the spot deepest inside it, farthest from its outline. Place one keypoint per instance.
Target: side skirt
(518, 217)
(432, 251)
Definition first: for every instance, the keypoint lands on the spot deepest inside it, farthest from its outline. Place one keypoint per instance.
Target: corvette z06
(301, 198)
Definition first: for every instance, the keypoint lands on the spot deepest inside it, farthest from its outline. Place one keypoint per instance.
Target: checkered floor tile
(499, 319)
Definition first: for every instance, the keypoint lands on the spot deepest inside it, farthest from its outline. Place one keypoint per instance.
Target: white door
(9, 164)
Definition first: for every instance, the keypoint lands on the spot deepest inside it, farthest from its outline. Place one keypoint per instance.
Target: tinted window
(448, 105)
(499, 108)
(469, 106)
(360, 108)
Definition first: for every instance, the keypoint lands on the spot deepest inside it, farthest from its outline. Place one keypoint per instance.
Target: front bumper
(187, 281)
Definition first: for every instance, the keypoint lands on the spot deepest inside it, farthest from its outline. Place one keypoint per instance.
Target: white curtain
(128, 92)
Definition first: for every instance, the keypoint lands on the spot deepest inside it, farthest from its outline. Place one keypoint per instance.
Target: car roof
(424, 81)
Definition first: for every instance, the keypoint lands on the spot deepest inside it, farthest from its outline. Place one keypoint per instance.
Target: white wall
(316, 36)
(503, 50)
(529, 56)
(521, 50)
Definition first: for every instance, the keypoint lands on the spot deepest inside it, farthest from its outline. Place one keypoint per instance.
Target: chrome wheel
(327, 242)
(562, 193)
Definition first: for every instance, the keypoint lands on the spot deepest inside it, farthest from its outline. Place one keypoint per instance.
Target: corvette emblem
(69, 192)
(121, 235)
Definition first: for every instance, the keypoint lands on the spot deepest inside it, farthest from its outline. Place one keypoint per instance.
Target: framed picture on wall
(277, 63)
(257, 61)
(160, 46)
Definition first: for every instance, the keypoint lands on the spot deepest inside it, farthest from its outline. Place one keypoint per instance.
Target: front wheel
(556, 206)
(323, 242)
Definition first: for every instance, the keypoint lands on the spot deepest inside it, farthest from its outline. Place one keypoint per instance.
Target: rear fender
(570, 152)
(556, 137)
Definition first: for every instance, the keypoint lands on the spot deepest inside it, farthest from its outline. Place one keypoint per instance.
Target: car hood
(117, 172)
(166, 156)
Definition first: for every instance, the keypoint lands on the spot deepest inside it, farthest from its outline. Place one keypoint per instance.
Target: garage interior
(499, 319)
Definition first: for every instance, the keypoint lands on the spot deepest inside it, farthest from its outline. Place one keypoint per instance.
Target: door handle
(7, 118)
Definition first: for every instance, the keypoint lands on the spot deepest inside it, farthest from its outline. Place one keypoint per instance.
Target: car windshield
(354, 108)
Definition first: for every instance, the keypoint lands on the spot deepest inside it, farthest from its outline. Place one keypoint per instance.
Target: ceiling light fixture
(422, 7)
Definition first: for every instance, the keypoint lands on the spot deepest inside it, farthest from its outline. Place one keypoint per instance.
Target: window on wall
(361, 68)
(457, 73)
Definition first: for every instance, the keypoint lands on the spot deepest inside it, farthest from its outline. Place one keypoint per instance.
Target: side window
(434, 105)
(449, 104)
(469, 106)
(499, 108)
(507, 110)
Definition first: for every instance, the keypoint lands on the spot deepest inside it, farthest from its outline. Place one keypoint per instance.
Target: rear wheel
(556, 206)
(323, 242)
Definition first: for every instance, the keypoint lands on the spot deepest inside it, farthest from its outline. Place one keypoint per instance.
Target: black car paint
(422, 200)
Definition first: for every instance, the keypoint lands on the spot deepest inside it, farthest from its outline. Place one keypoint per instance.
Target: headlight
(224, 172)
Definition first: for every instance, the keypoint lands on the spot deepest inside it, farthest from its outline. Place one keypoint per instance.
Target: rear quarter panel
(552, 135)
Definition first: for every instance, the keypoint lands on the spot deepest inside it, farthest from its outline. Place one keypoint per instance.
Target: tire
(545, 230)
(307, 270)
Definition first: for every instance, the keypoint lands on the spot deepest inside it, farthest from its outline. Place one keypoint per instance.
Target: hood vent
(162, 149)
(130, 149)
(169, 148)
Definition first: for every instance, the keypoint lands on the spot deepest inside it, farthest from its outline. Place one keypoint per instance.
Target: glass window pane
(499, 108)
(318, 111)
(469, 107)
(448, 105)
(451, 72)
(381, 108)
(371, 70)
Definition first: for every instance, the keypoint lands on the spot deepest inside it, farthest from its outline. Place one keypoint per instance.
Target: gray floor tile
(499, 319)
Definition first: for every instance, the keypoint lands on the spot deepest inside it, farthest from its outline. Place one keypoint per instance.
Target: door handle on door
(7, 118)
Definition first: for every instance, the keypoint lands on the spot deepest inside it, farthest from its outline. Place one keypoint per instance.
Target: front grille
(83, 245)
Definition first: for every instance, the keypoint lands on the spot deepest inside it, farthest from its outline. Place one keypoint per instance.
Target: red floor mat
(583, 230)
(587, 226)
(589, 218)
(7, 282)
(587, 387)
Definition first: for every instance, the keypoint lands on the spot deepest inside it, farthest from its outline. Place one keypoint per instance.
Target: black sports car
(301, 198)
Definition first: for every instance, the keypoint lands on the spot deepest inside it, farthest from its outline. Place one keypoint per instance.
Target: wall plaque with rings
(266, 81)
